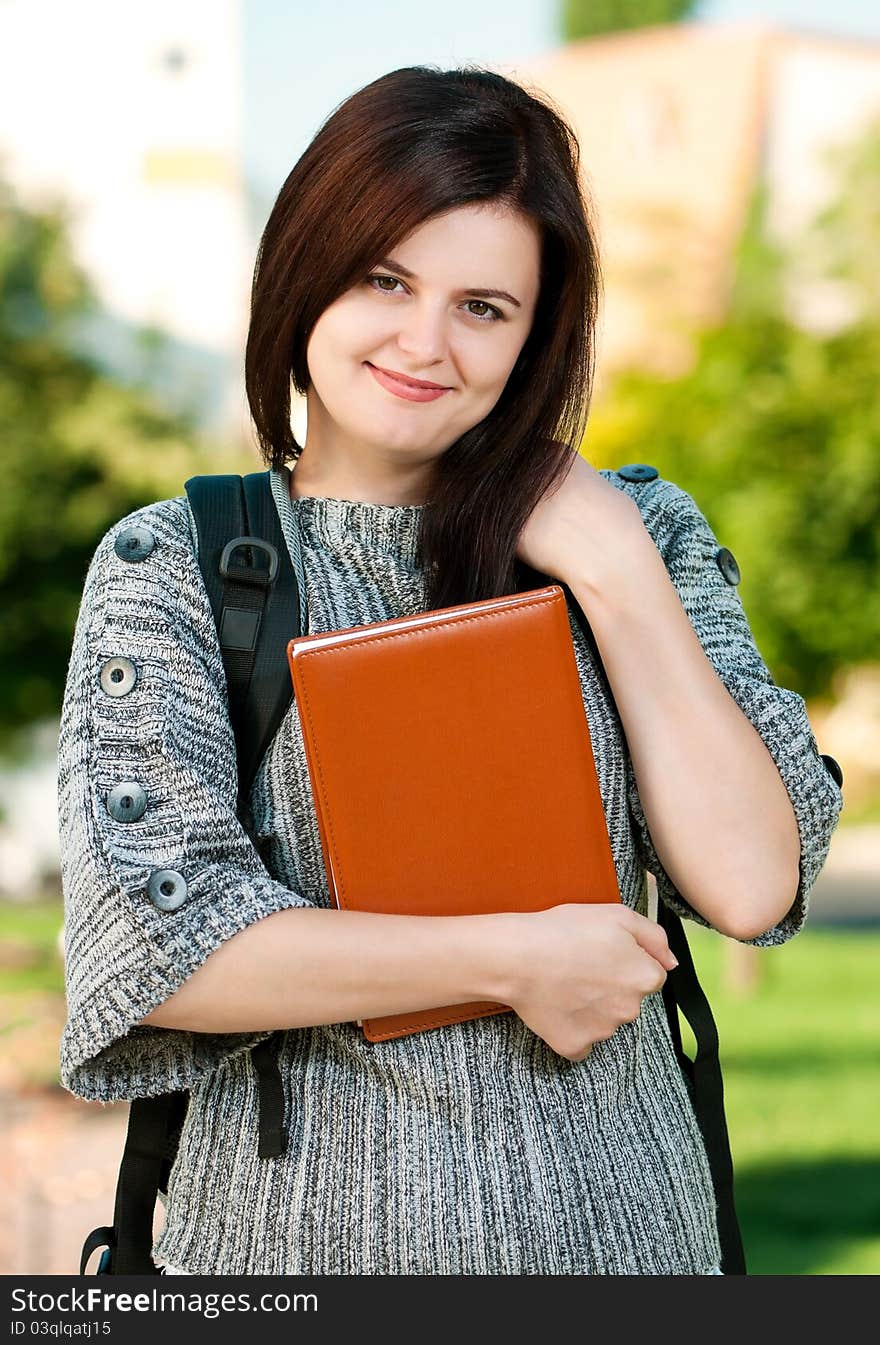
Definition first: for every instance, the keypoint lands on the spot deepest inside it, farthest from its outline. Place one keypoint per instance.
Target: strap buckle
(246, 574)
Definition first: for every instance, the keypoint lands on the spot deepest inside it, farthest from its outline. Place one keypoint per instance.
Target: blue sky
(303, 58)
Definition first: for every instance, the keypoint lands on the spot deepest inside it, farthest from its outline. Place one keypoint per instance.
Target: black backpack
(254, 597)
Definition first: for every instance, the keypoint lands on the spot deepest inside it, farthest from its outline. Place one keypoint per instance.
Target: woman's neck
(346, 486)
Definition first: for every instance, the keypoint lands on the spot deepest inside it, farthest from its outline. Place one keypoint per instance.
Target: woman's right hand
(580, 970)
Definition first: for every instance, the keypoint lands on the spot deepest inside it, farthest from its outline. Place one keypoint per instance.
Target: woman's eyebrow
(392, 265)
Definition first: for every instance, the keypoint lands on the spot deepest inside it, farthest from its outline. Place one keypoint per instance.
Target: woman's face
(424, 312)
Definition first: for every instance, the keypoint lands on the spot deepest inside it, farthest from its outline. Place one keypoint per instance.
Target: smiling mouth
(409, 382)
(406, 390)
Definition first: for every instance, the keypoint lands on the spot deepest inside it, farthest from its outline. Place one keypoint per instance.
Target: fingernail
(674, 963)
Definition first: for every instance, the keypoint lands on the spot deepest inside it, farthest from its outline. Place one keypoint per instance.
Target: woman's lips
(407, 391)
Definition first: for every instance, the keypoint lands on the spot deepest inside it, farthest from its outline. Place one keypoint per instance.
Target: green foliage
(78, 451)
(589, 18)
(775, 431)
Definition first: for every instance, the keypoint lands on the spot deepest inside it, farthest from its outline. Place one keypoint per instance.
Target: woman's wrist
(498, 951)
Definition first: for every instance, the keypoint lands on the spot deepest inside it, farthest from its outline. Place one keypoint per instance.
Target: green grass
(802, 1083)
(802, 1091)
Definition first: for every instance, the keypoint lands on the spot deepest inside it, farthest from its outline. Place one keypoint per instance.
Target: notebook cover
(452, 769)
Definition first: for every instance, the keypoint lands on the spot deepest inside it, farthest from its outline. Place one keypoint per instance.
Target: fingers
(652, 938)
(654, 976)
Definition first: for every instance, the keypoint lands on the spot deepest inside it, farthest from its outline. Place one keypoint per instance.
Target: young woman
(428, 277)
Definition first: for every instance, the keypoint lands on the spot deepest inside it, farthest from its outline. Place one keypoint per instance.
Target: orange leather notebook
(452, 769)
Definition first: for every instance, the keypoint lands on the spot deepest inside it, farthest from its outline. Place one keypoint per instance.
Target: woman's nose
(423, 335)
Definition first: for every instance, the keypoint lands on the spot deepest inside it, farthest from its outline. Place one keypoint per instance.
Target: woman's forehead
(469, 245)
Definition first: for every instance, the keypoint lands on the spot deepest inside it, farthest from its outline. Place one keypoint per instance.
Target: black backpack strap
(256, 609)
(99, 1237)
(253, 592)
(682, 991)
(273, 1135)
(154, 1125)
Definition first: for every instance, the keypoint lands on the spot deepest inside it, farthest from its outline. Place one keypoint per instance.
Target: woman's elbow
(750, 919)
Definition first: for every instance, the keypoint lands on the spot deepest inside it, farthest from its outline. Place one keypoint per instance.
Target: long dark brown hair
(410, 145)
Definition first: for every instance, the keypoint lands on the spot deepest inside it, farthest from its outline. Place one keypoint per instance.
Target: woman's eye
(490, 315)
(382, 289)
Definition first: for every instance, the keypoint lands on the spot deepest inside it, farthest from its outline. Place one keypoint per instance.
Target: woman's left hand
(582, 522)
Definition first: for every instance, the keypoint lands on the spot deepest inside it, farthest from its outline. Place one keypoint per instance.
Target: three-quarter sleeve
(157, 870)
(704, 575)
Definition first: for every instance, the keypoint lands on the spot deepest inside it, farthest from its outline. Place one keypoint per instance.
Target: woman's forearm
(304, 966)
(721, 820)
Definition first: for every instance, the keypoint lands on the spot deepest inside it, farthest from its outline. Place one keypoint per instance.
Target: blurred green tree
(589, 18)
(78, 448)
(839, 245)
(775, 431)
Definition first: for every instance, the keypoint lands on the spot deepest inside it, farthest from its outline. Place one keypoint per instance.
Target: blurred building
(677, 124)
(132, 114)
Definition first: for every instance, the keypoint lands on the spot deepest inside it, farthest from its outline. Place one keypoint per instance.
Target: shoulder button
(118, 676)
(166, 889)
(638, 471)
(127, 801)
(134, 544)
(833, 769)
(726, 562)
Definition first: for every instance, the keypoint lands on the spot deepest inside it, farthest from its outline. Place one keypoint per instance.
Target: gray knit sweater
(471, 1149)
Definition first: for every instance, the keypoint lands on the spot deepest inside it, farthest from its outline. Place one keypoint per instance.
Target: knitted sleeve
(157, 870)
(715, 610)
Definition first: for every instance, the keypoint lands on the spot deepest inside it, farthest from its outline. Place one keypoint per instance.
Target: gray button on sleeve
(726, 562)
(127, 801)
(638, 471)
(167, 889)
(118, 676)
(135, 543)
